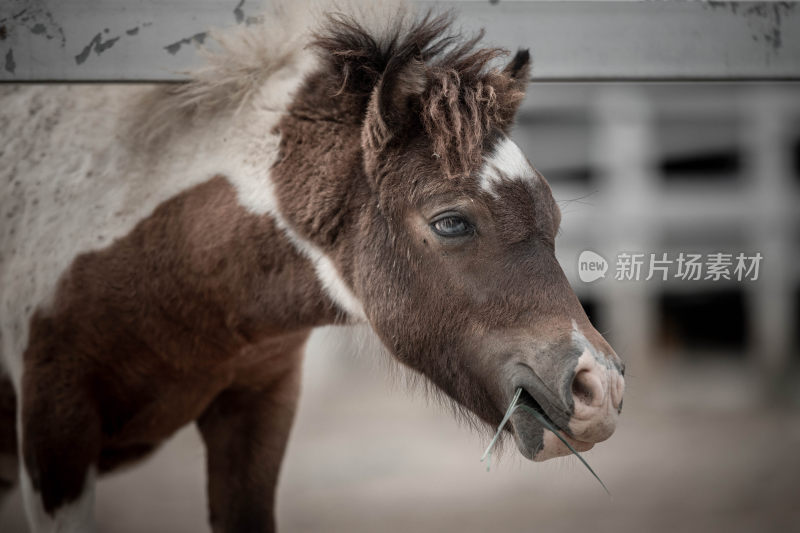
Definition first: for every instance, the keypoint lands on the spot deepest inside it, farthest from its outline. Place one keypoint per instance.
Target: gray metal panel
(135, 40)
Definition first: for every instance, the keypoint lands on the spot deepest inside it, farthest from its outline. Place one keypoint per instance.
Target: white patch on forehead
(506, 162)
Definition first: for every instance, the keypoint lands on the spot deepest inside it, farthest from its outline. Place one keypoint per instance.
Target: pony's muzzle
(578, 399)
(597, 388)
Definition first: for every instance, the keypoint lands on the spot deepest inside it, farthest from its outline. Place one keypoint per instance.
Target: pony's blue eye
(451, 226)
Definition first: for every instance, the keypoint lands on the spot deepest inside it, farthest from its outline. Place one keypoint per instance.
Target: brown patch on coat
(199, 298)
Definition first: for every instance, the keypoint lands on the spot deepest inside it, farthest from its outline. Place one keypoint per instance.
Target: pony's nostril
(587, 388)
(596, 394)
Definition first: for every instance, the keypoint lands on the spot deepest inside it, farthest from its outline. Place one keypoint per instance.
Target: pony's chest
(150, 412)
(149, 408)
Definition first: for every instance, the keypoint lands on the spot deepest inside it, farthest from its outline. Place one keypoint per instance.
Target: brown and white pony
(167, 250)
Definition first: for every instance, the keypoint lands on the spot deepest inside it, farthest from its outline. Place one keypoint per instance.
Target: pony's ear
(392, 102)
(401, 84)
(518, 71)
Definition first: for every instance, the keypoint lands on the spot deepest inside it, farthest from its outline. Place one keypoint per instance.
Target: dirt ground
(697, 450)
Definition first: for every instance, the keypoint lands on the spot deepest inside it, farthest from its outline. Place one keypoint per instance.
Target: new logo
(591, 266)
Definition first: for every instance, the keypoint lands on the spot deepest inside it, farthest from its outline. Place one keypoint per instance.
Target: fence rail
(156, 40)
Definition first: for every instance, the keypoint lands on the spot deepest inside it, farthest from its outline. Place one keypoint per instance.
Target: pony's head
(452, 246)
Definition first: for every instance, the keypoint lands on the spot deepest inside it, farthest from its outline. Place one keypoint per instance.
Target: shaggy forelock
(466, 96)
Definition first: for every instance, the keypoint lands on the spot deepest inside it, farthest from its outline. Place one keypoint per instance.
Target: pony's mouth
(541, 445)
(534, 439)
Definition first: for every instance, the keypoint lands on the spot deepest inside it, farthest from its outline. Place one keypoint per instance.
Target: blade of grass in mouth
(487, 455)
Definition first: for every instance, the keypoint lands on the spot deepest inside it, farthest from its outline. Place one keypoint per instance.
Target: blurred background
(709, 435)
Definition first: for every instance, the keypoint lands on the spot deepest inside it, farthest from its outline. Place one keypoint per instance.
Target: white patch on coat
(73, 185)
(72, 182)
(256, 192)
(506, 162)
(74, 517)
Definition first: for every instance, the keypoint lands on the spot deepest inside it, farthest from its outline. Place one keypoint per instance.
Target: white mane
(239, 62)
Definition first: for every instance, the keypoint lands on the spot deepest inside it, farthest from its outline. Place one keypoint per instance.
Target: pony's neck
(320, 187)
(295, 192)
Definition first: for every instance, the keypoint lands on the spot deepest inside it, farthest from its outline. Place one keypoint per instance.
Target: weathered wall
(85, 40)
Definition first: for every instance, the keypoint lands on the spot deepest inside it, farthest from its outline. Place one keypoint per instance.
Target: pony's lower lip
(552, 446)
(579, 445)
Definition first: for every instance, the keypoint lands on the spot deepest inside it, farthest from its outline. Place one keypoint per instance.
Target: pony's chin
(543, 444)
(553, 447)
